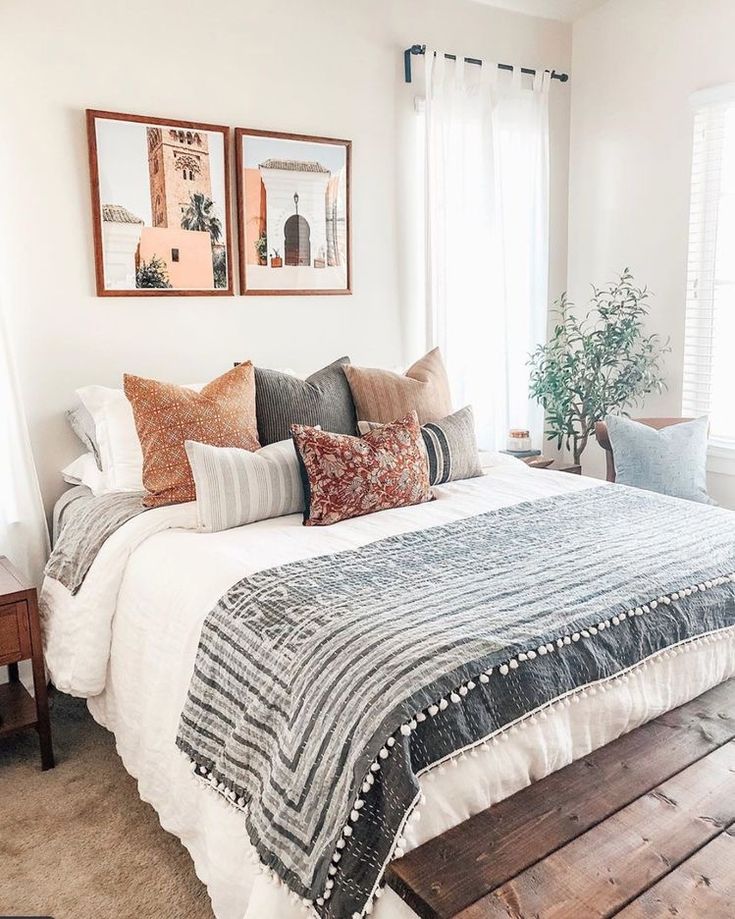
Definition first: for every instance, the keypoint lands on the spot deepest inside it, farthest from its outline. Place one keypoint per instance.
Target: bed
(129, 638)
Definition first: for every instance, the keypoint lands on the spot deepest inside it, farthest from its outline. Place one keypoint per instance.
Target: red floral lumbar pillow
(350, 476)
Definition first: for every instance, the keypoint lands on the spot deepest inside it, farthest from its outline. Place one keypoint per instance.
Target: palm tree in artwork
(199, 215)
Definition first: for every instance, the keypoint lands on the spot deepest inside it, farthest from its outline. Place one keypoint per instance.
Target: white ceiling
(565, 10)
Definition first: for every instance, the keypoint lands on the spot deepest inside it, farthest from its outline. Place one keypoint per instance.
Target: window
(174, 255)
(709, 368)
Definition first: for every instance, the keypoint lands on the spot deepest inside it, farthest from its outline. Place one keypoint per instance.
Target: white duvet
(128, 640)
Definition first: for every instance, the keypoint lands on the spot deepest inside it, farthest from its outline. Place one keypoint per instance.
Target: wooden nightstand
(538, 462)
(20, 640)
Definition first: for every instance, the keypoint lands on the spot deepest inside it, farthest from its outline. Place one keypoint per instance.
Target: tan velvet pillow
(383, 396)
(166, 415)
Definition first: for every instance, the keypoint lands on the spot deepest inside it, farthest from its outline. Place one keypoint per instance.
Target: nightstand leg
(44, 724)
(13, 673)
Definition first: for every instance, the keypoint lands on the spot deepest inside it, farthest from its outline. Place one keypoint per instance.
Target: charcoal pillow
(672, 461)
(322, 399)
(450, 445)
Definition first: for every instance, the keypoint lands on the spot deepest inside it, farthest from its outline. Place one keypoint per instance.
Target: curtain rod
(421, 49)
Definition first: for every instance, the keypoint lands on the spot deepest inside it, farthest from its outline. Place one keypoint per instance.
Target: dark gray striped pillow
(451, 446)
(323, 399)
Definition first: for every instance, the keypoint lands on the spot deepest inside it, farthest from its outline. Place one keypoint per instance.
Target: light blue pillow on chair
(671, 461)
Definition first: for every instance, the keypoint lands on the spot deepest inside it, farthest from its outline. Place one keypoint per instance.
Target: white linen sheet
(129, 638)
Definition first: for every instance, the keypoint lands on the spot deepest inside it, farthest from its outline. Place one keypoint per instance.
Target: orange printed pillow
(382, 396)
(222, 414)
(347, 476)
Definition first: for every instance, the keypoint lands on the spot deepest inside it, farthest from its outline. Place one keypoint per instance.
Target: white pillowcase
(117, 438)
(84, 471)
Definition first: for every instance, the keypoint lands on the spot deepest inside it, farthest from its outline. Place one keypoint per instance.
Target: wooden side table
(538, 462)
(20, 640)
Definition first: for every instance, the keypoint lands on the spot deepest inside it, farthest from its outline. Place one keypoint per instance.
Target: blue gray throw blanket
(323, 688)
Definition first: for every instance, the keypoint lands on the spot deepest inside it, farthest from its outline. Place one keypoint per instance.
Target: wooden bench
(643, 827)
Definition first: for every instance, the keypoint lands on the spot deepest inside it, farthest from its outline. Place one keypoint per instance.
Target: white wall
(635, 64)
(327, 67)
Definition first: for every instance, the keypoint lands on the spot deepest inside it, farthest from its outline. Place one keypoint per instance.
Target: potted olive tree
(597, 365)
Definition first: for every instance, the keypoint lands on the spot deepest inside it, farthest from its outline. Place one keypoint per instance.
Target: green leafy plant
(597, 365)
(199, 215)
(152, 274)
(261, 247)
(219, 266)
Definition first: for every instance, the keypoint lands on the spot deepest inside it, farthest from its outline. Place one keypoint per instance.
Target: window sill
(721, 458)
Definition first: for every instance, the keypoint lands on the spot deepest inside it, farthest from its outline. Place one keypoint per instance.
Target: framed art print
(293, 209)
(160, 205)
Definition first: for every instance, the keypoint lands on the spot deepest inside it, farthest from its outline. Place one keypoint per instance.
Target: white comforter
(129, 637)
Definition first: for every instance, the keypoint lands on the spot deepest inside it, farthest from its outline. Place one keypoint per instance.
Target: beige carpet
(76, 842)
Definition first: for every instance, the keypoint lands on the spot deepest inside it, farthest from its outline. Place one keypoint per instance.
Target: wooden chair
(603, 438)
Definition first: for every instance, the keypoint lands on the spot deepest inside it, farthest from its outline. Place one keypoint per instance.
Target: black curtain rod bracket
(421, 49)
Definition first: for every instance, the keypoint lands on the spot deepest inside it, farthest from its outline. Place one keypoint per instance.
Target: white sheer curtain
(23, 531)
(487, 155)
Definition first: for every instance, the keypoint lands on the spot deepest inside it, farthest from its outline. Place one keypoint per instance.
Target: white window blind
(709, 353)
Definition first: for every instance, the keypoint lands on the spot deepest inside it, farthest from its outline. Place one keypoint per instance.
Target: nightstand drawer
(15, 633)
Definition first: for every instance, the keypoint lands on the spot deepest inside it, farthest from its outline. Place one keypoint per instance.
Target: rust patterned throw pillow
(350, 476)
(221, 414)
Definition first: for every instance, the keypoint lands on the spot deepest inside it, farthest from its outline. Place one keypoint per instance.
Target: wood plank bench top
(629, 827)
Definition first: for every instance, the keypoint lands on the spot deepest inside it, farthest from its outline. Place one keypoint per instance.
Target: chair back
(603, 437)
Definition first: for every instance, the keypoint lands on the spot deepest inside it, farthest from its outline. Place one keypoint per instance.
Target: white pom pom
(531, 655)
(390, 742)
(542, 650)
(504, 669)
(405, 729)
(513, 664)
(443, 704)
(420, 716)
(375, 767)
(347, 830)
(383, 754)
(484, 678)
(455, 697)
(433, 710)
(471, 684)
(463, 690)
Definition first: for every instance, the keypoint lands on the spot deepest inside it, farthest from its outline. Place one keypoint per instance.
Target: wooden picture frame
(144, 244)
(276, 175)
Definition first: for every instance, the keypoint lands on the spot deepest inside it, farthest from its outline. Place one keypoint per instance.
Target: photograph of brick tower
(294, 213)
(162, 197)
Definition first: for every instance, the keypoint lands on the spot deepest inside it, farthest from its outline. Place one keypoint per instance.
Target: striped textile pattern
(323, 399)
(235, 487)
(322, 689)
(451, 446)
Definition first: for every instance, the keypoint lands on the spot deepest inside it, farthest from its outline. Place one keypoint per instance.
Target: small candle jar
(518, 441)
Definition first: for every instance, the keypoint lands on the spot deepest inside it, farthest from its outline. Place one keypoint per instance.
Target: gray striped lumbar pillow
(450, 444)
(235, 487)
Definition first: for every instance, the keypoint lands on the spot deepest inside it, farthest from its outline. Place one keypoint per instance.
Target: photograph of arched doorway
(297, 241)
(293, 213)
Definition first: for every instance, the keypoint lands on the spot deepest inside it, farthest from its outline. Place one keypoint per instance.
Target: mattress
(128, 640)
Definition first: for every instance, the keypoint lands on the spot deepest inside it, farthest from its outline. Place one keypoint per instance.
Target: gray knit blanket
(322, 689)
(85, 524)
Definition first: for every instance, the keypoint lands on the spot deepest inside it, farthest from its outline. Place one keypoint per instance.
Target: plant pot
(262, 260)
(276, 262)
